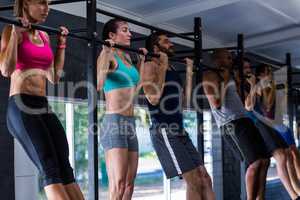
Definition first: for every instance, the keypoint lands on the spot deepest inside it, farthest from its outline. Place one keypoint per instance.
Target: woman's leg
(292, 171)
(56, 192)
(281, 161)
(33, 134)
(131, 174)
(74, 192)
(117, 168)
(60, 142)
(262, 176)
(252, 179)
(296, 159)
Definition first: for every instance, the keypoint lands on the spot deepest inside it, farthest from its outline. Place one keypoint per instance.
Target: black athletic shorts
(175, 150)
(31, 121)
(272, 139)
(245, 140)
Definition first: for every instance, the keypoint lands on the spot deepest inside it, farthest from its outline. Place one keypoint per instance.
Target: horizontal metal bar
(78, 30)
(39, 27)
(57, 31)
(205, 50)
(204, 68)
(11, 7)
(82, 30)
(144, 25)
(184, 51)
(139, 39)
(126, 48)
(263, 59)
(187, 34)
(214, 49)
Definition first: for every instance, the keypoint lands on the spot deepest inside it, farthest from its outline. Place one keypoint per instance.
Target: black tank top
(169, 109)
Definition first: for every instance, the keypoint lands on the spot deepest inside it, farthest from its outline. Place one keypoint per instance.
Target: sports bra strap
(43, 37)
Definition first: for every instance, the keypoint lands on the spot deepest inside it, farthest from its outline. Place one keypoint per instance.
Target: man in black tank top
(163, 89)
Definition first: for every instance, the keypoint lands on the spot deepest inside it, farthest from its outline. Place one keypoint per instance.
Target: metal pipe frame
(290, 90)
(213, 49)
(139, 39)
(199, 74)
(144, 25)
(71, 34)
(40, 27)
(206, 50)
(240, 57)
(187, 34)
(265, 60)
(91, 23)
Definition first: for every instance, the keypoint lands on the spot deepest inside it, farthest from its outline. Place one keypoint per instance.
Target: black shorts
(245, 140)
(31, 121)
(272, 139)
(175, 151)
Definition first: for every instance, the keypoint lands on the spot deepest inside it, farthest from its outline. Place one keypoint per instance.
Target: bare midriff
(31, 81)
(120, 101)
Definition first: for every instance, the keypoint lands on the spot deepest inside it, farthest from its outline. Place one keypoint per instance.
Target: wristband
(61, 46)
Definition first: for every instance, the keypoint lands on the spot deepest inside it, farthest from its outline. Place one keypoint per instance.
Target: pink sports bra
(32, 56)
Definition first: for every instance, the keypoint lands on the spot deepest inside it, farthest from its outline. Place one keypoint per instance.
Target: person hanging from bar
(250, 81)
(260, 93)
(120, 80)
(230, 115)
(265, 106)
(163, 90)
(237, 128)
(27, 58)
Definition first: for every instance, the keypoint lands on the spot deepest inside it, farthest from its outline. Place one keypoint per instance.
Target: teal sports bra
(122, 77)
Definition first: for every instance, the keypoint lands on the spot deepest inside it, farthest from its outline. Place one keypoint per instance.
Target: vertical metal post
(92, 101)
(199, 74)
(290, 111)
(297, 117)
(240, 56)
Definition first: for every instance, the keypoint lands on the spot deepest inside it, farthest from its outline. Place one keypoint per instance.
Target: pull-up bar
(39, 27)
(143, 24)
(57, 31)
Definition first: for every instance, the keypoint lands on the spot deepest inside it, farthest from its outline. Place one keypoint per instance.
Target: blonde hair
(19, 7)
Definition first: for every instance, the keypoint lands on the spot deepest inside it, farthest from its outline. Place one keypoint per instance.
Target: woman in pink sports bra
(27, 58)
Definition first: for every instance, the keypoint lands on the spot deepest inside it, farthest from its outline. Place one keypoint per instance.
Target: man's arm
(188, 82)
(270, 94)
(251, 96)
(212, 88)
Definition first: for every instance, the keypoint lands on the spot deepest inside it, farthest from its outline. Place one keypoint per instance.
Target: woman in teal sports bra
(120, 81)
